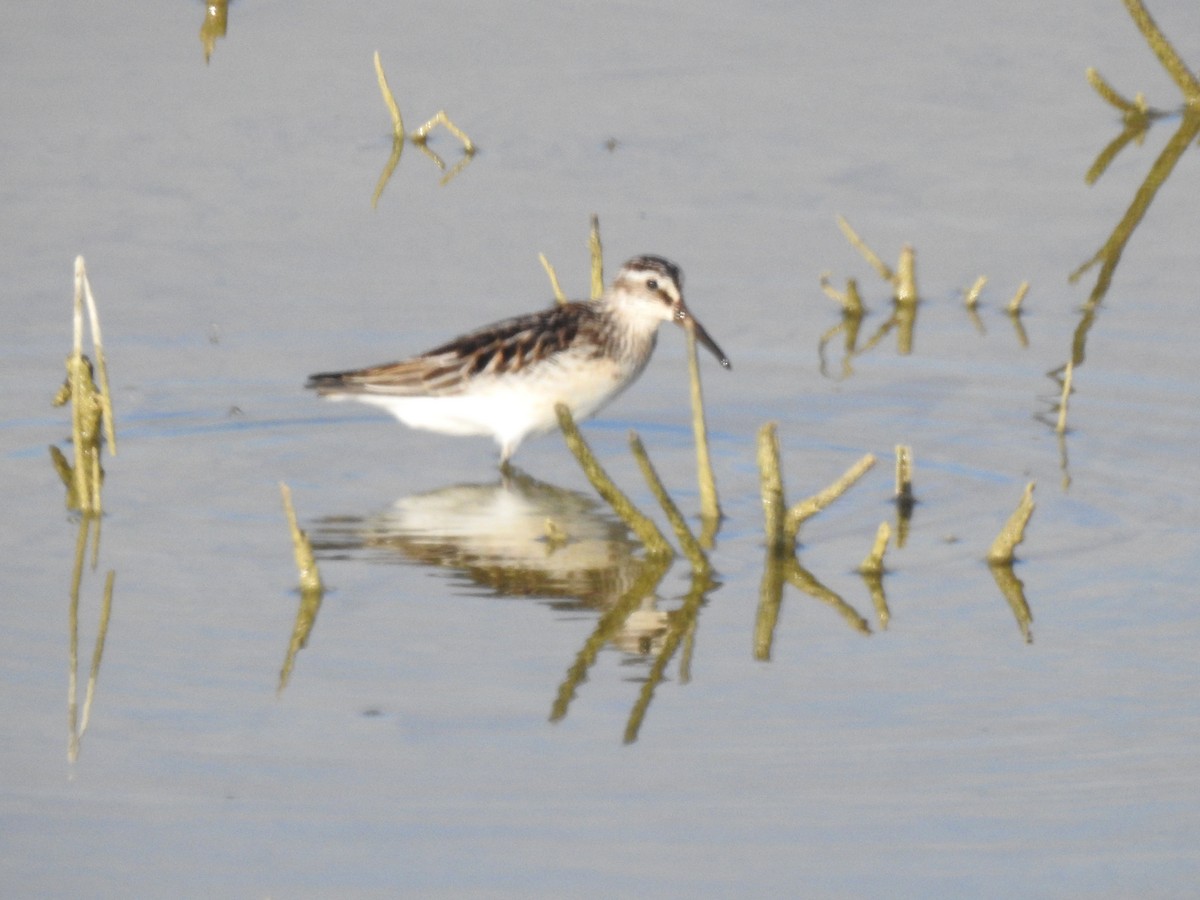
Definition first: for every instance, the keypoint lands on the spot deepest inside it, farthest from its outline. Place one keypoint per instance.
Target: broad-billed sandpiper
(504, 380)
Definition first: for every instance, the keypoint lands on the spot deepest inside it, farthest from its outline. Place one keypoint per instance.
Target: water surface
(224, 210)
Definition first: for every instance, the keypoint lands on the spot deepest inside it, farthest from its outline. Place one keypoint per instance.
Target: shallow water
(457, 722)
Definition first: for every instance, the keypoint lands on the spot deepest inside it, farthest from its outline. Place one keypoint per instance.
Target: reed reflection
(77, 717)
(92, 428)
(1137, 117)
(905, 302)
(420, 138)
(521, 537)
(216, 22)
(905, 299)
(782, 527)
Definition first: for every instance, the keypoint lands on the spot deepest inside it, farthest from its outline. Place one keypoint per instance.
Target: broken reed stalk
(77, 308)
(421, 135)
(397, 122)
(873, 564)
(82, 478)
(710, 507)
(1060, 427)
(771, 482)
(1109, 93)
(647, 532)
(310, 576)
(971, 300)
(110, 432)
(1167, 56)
(854, 305)
(691, 547)
(215, 25)
(850, 300)
(806, 509)
(868, 254)
(1014, 305)
(91, 406)
(559, 296)
(597, 253)
(1013, 532)
(906, 277)
(903, 280)
(904, 474)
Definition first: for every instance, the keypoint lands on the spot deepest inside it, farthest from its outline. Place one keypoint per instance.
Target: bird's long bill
(690, 322)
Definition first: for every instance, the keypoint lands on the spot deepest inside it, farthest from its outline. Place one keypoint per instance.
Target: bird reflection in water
(517, 537)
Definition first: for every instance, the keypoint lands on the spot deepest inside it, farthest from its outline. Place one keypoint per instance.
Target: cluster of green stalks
(91, 429)
(1137, 116)
(782, 526)
(905, 301)
(420, 138)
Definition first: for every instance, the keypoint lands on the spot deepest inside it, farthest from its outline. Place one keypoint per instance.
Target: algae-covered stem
(1170, 59)
(596, 250)
(710, 507)
(389, 99)
(850, 300)
(869, 255)
(771, 485)
(1060, 427)
(440, 118)
(906, 277)
(1014, 305)
(904, 474)
(971, 299)
(873, 564)
(82, 282)
(806, 509)
(1013, 532)
(903, 280)
(310, 576)
(559, 296)
(1137, 107)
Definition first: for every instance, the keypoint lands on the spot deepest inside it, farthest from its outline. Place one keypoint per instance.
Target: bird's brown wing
(504, 348)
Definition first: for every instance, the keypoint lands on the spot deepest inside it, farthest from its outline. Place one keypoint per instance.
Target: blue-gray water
(224, 211)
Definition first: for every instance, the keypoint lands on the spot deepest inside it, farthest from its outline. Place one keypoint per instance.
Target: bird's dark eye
(652, 284)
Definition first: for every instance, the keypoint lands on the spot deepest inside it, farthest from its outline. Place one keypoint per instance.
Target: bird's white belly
(511, 407)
